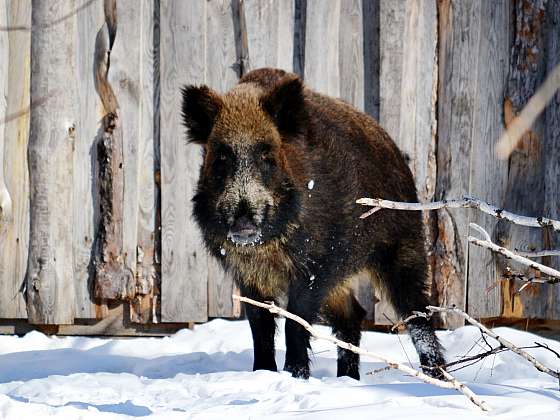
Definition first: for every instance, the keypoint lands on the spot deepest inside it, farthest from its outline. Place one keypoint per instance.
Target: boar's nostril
(244, 232)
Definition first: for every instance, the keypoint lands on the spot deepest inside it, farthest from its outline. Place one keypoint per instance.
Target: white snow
(206, 374)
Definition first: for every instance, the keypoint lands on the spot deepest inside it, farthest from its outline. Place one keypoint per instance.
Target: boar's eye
(264, 152)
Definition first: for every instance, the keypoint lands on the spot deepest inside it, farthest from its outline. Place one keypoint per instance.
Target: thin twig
(465, 202)
(501, 340)
(486, 243)
(452, 384)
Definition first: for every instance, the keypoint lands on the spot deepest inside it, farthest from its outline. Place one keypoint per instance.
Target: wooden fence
(95, 225)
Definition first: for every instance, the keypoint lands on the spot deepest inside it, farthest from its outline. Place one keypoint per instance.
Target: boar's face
(246, 192)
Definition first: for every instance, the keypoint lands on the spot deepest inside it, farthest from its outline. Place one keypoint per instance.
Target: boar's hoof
(298, 371)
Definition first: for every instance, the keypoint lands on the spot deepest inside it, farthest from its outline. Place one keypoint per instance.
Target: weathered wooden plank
(525, 185)
(300, 23)
(533, 167)
(351, 53)
(14, 127)
(474, 44)
(391, 28)
(270, 28)
(408, 93)
(370, 13)
(184, 261)
(86, 196)
(458, 56)
(488, 177)
(392, 16)
(322, 68)
(49, 279)
(114, 324)
(114, 278)
(131, 75)
(551, 154)
(5, 198)
(14, 235)
(221, 75)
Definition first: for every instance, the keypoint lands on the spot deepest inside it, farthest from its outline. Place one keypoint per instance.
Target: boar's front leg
(263, 328)
(304, 302)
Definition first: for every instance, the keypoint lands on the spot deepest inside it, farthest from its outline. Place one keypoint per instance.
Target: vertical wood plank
(221, 75)
(351, 53)
(551, 154)
(371, 35)
(131, 76)
(322, 70)
(14, 130)
(85, 187)
(532, 187)
(391, 28)
(184, 261)
(488, 175)
(458, 58)
(270, 27)
(474, 45)
(49, 279)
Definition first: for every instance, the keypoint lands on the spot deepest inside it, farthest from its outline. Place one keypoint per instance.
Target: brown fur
(264, 141)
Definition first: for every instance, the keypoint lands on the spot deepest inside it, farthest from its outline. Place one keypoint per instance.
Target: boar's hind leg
(345, 315)
(263, 328)
(403, 274)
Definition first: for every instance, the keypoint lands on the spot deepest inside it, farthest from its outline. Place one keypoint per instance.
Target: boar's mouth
(244, 232)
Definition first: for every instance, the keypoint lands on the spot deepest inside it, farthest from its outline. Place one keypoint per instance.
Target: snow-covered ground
(206, 374)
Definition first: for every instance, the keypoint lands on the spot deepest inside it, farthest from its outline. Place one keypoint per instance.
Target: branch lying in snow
(501, 340)
(452, 384)
(487, 243)
(465, 202)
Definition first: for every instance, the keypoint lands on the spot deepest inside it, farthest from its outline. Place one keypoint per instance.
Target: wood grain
(532, 186)
(457, 56)
(270, 28)
(370, 16)
(221, 75)
(14, 180)
(322, 69)
(408, 94)
(85, 187)
(49, 279)
(183, 61)
(131, 75)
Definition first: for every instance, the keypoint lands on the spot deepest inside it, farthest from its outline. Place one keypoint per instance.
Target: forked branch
(499, 339)
(487, 243)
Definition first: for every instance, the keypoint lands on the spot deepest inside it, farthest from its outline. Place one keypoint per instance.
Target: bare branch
(452, 384)
(486, 243)
(501, 340)
(519, 126)
(538, 254)
(465, 202)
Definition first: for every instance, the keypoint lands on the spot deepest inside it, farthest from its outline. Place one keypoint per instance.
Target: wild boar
(283, 166)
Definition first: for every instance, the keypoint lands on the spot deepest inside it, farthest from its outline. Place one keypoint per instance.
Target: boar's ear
(285, 104)
(199, 109)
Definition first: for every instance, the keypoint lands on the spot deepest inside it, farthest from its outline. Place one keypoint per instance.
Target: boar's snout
(244, 232)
